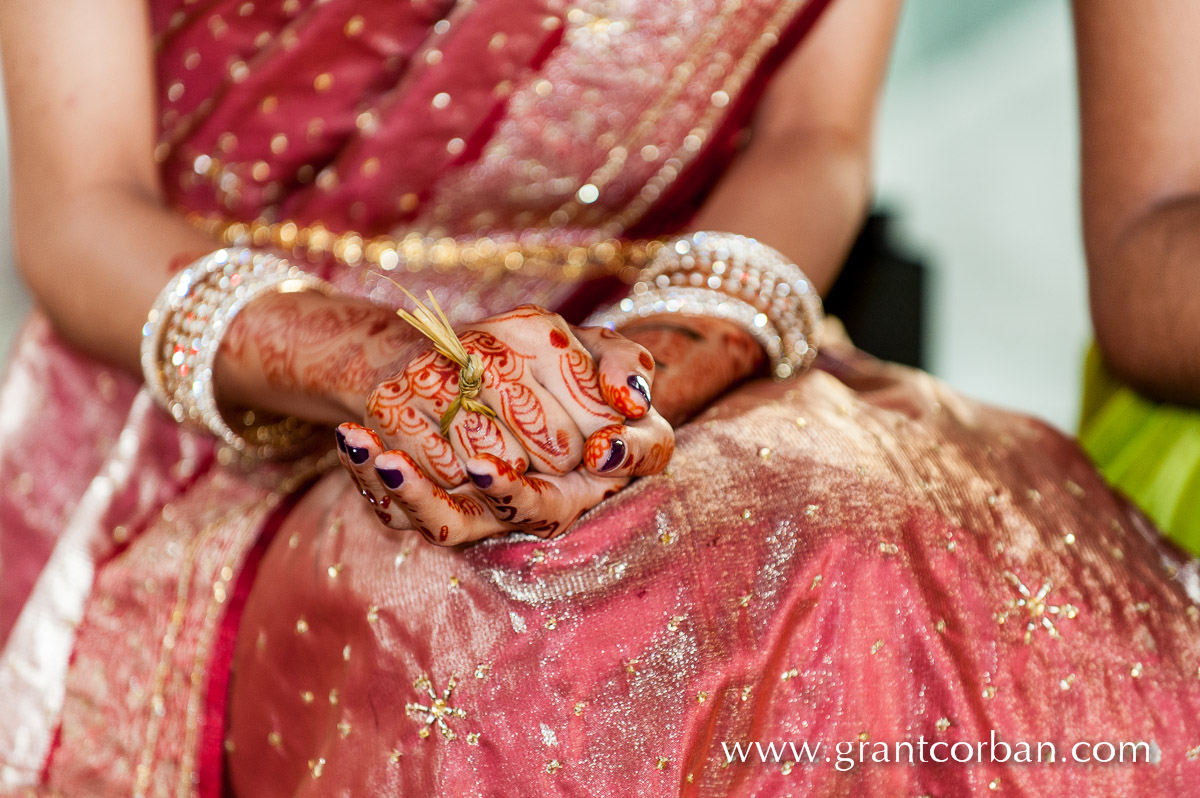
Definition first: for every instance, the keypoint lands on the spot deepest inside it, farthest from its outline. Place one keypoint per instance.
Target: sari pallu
(125, 539)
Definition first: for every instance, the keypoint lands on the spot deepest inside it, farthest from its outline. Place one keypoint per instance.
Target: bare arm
(803, 186)
(1138, 72)
(94, 240)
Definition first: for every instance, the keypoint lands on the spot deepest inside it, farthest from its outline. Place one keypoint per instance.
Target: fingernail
(616, 455)
(357, 456)
(482, 480)
(341, 440)
(391, 477)
(638, 383)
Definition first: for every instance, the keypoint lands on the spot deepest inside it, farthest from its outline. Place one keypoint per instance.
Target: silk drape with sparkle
(857, 556)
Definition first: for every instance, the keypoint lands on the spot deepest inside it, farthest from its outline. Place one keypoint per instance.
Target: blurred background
(978, 169)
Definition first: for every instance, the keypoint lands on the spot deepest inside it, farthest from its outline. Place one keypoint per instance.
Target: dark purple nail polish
(616, 455)
(341, 440)
(391, 477)
(482, 480)
(357, 456)
(638, 383)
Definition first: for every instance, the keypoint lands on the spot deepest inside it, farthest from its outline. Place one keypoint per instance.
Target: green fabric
(1149, 450)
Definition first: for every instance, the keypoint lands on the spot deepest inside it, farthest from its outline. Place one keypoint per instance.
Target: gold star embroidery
(438, 711)
(1041, 614)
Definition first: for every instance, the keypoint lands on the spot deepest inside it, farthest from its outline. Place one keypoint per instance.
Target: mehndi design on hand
(431, 322)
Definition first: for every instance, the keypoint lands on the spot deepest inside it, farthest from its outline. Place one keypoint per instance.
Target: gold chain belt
(532, 255)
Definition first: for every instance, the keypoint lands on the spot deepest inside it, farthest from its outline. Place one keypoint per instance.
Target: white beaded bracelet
(736, 278)
(183, 334)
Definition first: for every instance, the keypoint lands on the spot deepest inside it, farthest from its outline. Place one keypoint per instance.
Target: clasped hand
(574, 422)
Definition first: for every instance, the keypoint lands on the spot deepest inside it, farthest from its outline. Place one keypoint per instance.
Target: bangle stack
(734, 278)
(184, 331)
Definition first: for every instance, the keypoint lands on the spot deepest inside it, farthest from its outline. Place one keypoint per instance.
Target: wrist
(696, 360)
(729, 346)
(309, 355)
(186, 330)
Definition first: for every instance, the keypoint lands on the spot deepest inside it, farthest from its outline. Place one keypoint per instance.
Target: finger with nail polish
(357, 445)
(443, 517)
(626, 370)
(541, 505)
(637, 449)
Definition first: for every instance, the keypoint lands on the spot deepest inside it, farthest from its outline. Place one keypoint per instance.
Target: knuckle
(643, 357)
(531, 308)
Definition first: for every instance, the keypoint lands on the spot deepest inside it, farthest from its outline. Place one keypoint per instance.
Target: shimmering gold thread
(304, 472)
(416, 253)
(736, 79)
(142, 773)
(618, 155)
(431, 322)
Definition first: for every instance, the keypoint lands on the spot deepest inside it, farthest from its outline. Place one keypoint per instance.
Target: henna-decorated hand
(572, 405)
(696, 359)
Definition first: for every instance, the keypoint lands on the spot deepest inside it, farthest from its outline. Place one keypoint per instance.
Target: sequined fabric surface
(125, 541)
(859, 557)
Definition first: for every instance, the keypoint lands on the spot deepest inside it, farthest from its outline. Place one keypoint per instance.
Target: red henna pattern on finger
(655, 460)
(558, 339)
(462, 505)
(442, 460)
(500, 362)
(599, 445)
(646, 361)
(432, 377)
(621, 398)
(582, 378)
(524, 414)
(503, 469)
(444, 533)
(478, 433)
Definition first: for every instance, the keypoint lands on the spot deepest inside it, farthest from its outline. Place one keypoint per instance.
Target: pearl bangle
(183, 334)
(735, 278)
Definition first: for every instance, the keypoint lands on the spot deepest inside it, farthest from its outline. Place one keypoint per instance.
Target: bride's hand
(572, 404)
(697, 359)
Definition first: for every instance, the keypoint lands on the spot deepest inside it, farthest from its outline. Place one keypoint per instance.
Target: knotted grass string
(430, 321)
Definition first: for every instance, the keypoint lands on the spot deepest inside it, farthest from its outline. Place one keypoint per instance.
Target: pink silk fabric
(857, 556)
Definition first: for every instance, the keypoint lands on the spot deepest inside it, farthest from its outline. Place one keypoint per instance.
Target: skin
(1141, 189)
(96, 244)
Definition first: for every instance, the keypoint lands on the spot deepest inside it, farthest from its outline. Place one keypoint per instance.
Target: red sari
(859, 556)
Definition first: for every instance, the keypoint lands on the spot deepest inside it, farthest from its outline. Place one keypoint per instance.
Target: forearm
(312, 356)
(805, 193)
(98, 266)
(1145, 297)
(96, 262)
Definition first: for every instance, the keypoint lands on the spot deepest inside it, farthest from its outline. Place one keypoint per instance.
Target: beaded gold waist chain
(532, 254)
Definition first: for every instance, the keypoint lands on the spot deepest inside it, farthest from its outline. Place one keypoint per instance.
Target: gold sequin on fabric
(608, 657)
